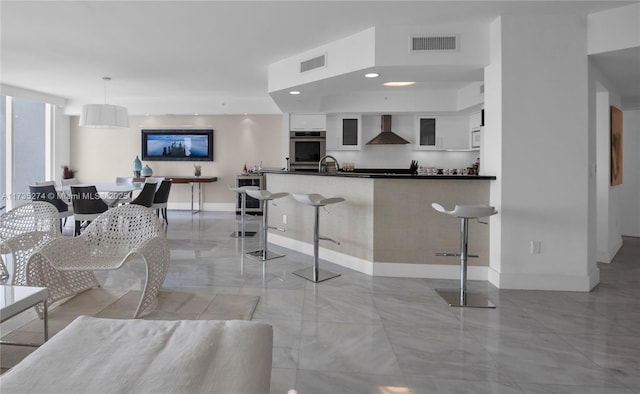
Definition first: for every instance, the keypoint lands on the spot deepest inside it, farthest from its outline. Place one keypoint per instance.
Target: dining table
(113, 193)
(190, 180)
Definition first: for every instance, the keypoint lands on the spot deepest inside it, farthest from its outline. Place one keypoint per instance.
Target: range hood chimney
(387, 136)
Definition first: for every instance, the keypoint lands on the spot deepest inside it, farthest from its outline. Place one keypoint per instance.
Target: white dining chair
(69, 181)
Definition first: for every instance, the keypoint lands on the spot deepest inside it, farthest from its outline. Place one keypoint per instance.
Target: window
(27, 135)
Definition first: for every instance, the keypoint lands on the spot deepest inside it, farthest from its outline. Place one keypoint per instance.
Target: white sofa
(94, 355)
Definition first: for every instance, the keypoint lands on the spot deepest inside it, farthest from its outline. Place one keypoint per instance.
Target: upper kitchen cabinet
(476, 123)
(344, 132)
(441, 132)
(475, 120)
(307, 122)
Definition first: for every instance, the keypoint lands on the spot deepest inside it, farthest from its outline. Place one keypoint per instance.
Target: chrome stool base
(243, 211)
(243, 234)
(461, 297)
(456, 297)
(322, 275)
(262, 256)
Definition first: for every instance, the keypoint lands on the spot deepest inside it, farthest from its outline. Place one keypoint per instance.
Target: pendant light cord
(105, 79)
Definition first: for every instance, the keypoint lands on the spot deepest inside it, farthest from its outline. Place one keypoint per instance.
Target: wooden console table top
(184, 179)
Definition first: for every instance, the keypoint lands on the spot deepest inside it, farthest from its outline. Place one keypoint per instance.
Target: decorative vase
(197, 170)
(137, 167)
(146, 171)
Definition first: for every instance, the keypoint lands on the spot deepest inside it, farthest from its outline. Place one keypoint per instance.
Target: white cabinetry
(344, 132)
(441, 133)
(476, 123)
(307, 122)
(475, 120)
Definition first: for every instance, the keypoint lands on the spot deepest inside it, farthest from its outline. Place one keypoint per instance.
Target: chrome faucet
(323, 158)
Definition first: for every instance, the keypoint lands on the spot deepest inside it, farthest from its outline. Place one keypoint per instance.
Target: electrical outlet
(536, 247)
(284, 219)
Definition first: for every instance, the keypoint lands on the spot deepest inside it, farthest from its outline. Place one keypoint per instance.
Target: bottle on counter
(476, 167)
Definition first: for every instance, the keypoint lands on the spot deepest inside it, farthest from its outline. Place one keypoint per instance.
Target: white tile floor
(360, 334)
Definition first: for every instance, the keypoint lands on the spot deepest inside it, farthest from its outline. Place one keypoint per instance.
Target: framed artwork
(475, 138)
(616, 146)
(177, 145)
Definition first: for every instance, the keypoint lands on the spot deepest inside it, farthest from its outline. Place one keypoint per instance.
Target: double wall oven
(306, 148)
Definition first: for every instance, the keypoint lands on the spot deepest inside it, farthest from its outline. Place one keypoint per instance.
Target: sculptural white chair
(48, 193)
(315, 274)
(22, 231)
(241, 191)
(265, 196)
(65, 265)
(461, 297)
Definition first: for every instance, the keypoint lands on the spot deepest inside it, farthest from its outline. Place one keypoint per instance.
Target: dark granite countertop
(379, 173)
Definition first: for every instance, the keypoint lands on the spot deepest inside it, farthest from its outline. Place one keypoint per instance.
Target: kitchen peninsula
(386, 226)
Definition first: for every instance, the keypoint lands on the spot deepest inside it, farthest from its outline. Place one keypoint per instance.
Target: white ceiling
(212, 56)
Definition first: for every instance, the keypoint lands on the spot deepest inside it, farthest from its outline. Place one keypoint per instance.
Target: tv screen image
(187, 145)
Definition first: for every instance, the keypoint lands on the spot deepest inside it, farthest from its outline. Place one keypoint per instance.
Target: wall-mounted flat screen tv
(180, 145)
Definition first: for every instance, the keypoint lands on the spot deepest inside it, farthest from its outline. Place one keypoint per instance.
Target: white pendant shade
(104, 116)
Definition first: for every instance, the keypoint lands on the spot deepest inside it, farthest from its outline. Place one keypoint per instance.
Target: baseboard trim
(545, 282)
(401, 270)
(607, 257)
(439, 271)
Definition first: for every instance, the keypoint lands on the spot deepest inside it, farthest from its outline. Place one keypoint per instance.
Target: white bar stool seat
(241, 190)
(265, 196)
(315, 274)
(461, 297)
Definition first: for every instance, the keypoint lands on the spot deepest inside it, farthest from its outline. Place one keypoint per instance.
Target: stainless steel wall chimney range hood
(387, 136)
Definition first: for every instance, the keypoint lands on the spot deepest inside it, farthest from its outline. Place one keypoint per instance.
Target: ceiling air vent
(421, 43)
(312, 64)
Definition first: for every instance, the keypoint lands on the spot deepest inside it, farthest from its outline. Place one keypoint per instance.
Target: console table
(193, 180)
(190, 180)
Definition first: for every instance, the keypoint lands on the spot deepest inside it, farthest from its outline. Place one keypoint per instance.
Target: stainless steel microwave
(306, 148)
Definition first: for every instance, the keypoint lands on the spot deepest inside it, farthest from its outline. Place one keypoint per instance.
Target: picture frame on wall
(616, 146)
(475, 138)
(177, 145)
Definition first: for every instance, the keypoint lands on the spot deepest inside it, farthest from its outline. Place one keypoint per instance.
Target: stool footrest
(455, 255)
(329, 239)
(277, 228)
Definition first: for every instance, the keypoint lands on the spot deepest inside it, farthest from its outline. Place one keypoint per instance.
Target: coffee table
(17, 299)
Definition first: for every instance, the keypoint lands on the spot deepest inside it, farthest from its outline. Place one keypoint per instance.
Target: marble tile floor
(362, 334)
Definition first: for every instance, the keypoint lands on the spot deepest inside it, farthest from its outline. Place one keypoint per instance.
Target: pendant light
(104, 115)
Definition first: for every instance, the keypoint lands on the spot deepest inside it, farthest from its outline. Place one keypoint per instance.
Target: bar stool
(314, 274)
(461, 297)
(265, 196)
(241, 191)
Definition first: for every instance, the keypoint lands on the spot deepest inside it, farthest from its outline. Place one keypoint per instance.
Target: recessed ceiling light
(396, 84)
(372, 75)
(294, 92)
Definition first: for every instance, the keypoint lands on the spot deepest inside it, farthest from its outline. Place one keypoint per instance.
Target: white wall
(543, 155)
(608, 215)
(630, 188)
(614, 29)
